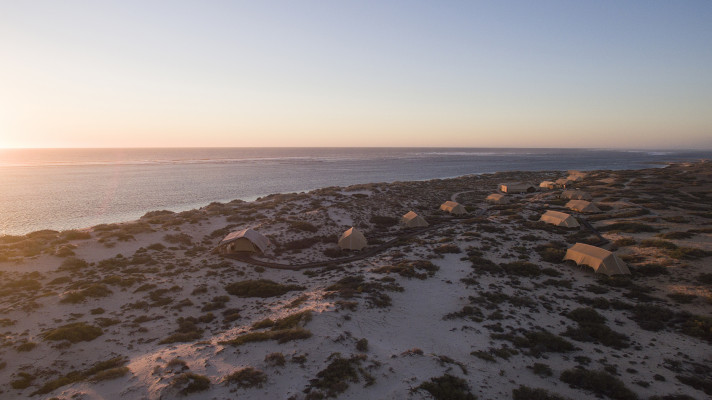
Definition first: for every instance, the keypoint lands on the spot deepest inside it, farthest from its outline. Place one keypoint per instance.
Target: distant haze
(604, 74)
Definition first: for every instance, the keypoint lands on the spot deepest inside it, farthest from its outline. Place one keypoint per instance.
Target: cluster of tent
(251, 241)
(601, 260)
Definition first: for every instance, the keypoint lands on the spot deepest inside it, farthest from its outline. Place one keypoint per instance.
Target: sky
(603, 74)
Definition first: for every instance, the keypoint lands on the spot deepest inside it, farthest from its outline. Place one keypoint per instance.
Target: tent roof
(410, 215)
(582, 205)
(413, 220)
(253, 236)
(559, 218)
(352, 238)
(601, 260)
(451, 204)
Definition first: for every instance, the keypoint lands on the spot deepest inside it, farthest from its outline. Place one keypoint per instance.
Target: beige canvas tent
(575, 195)
(547, 185)
(453, 208)
(246, 240)
(413, 220)
(496, 198)
(559, 219)
(602, 261)
(352, 239)
(582, 206)
(518, 187)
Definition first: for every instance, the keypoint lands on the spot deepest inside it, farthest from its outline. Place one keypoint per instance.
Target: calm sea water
(75, 188)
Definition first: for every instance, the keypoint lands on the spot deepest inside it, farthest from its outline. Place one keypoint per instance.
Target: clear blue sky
(357, 73)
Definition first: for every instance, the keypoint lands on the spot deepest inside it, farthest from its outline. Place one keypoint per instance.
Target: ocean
(76, 188)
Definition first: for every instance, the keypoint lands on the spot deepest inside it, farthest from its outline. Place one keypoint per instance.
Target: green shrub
(584, 315)
(335, 378)
(384, 221)
(521, 268)
(649, 270)
(598, 382)
(420, 269)
(275, 359)
(651, 317)
(189, 382)
(178, 238)
(362, 345)
(688, 253)
(74, 333)
(260, 288)
(109, 374)
(675, 235)
(302, 226)
(542, 370)
(23, 381)
(527, 393)
(626, 241)
(592, 332)
(447, 248)
(628, 227)
(27, 346)
(281, 336)
(72, 264)
(538, 342)
(247, 377)
(102, 370)
(657, 243)
(447, 387)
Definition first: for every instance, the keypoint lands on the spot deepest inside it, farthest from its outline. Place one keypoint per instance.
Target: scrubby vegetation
(247, 377)
(447, 387)
(282, 330)
(419, 269)
(335, 378)
(101, 371)
(260, 288)
(74, 333)
(599, 382)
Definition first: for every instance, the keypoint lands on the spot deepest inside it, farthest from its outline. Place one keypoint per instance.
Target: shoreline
(144, 309)
(200, 205)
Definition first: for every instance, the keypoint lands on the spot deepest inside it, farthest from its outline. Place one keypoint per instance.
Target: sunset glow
(523, 74)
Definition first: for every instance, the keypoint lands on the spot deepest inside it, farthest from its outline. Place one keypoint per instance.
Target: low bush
(247, 377)
(626, 241)
(275, 359)
(527, 393)
(628, 227)
(384, 221)
(538, 342)
(420, 269)
(585, 315)
(301, 226)
(447, 387)
(335, 378)
(260, 288)
(189, 382)
(657, 243)
(521, 268)
(688, 253)
(102, 370)
(72, 264)
(651, 317)
(675, 235)
(599, 382)
(74, 333)
(362, 345)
